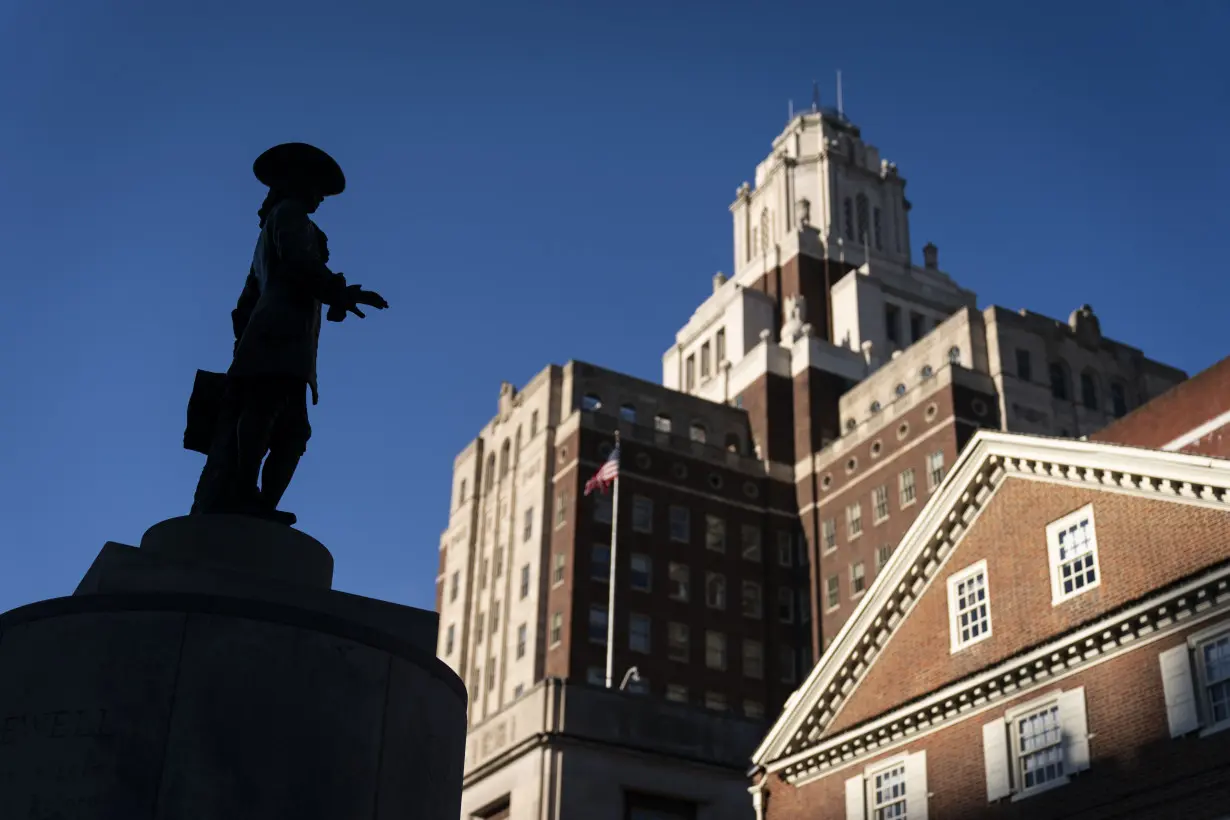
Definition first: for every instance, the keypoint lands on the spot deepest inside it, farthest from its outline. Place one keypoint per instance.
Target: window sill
(833, 608)
(858, 595)
(556, 584)
(856, 536)
(878, 523)
(604, 579)
(829, 550)
(640, 589)
(1214, 728)
(643, 532)
(1046, 787)
(910, 503)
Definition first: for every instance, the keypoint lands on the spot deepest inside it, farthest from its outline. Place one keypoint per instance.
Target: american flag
(608, 472)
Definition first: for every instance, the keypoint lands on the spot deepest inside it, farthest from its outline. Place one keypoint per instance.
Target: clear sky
(531, 183)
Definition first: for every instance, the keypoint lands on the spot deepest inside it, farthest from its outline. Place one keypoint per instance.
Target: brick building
(1051, 638)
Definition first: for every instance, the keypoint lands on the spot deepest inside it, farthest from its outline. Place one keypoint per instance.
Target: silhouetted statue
(258, 410)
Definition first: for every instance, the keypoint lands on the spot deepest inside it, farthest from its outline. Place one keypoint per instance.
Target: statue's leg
(287, 445)
(263, 401)
(213, 490)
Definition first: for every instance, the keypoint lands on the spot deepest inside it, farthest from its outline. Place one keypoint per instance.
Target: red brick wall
(1185, 406)
(1137, 770)
(769, 403)
(1143, 544)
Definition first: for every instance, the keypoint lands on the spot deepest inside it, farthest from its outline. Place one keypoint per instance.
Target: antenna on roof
(815, 96)
(790, 111)
(840, 110)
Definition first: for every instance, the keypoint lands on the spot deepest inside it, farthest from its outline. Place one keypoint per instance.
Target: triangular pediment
(990, 483)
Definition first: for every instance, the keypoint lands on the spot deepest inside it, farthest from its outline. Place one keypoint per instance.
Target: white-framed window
(828, 534)
(715, 701)
(883, 553)
(935, 469)
(638, 632)
(642, 514)
(906, 485)
(753, 659)
(969, 606)
(1196, 682)
(1072, 546)
(715, 533)
(678, 576)
(785, 550)
(879, 504)
(750, 537)
(1036, 746)
(521, 639)
(858, 579)
(854, 520)
(557, 571)
(715, 650)
(557, 627)
(892, 789)
(640, 578)
(752, 604)
(681, 524)
(832, 592)
(715, 590)
(677, 645)
(677, 693)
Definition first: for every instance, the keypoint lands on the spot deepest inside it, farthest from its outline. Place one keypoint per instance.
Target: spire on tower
(840, 110)
(815, 96)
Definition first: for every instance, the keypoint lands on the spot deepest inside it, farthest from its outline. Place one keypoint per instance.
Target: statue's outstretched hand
(355, 296)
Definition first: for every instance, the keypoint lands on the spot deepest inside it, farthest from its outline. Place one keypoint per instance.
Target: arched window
(847, 211)
(1089, 391)
(517, 445)
(489, 481)
(876, 228)
(461, 493)
(662, 423)
(864, 226)
(627, 412)
(1118, 399)
(591, 402)
(1059, 380)
(732, 443)
(954, 355)
(698, 433)
(504, 457)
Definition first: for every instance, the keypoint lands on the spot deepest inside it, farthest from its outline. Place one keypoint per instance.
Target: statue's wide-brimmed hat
(296, 163)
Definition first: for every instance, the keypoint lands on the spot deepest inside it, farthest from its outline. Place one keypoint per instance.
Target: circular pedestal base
(192, 707)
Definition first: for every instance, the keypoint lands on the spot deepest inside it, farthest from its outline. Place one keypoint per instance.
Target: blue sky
(529, 183)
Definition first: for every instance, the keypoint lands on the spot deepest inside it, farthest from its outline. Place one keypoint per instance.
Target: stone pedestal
(212, 674)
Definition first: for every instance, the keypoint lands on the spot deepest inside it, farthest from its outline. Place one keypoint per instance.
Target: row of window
(859, 208)
(1061, 384)
(717, 701)
(858, 579)
(907, 494)
(709, 365)
(662, 422)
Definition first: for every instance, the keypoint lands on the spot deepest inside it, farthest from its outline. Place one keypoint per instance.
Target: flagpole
(610, 580)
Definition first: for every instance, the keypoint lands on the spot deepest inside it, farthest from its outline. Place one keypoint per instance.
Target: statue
(257, 411)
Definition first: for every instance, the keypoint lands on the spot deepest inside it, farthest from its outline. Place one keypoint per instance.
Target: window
(969, 610)
(595, 676)
(627, 412)
(832, 592)
(876, 227)
(521, 641)
(715, 533)
(527, 526)
(954, 355)
(1024, 371)
(533, 424)
(896, 788)
(557, 627)
(785, 605)
(785, 551)
(499, 562)
(862, 208)
(917, 327)
(449, 639)
(715, 590)
(638, 633)
(461, 493)
(854, 520)
(495, 617)
(1089, 391)
(847, 212)
(1036, 746)
(490, 677)
(641, 576)
(750, 537)
(1118, 403)
(454, 584)
(600, 562)
(935, 469)
(858, 579)
(879, 504)
(1073, 549)
(642, 514)
(828, 534)
(677, 642)
(602, 508)
(597, 624)
(788, 663)
(689, 373)
(751, 599)
(906, 485)
(753, 709)
(719, 347)
(1196, 682)
(801, 548)
(662, 423)
(698, 433)
(1059, 381)
(715, 650)
(525, 581)
(678, 576)
(704, 361)
(557, 572)
(676, 693)
(681, 524)
(883, 553)
(892, 323)
(732, 439)
(715, 701)
(753, 659)
(561, 509)
(482, 574)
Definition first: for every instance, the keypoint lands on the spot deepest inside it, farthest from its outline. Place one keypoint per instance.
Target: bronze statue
(258, 410)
